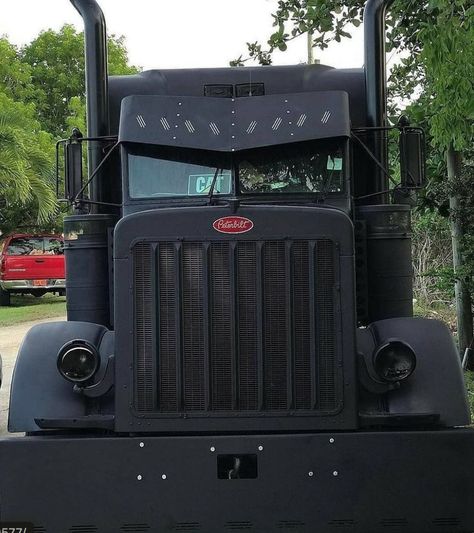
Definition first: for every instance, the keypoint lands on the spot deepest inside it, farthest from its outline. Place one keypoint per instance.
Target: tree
(26, 163)
(42, 97)
(56, 60)
(448, 58)
(15, 75)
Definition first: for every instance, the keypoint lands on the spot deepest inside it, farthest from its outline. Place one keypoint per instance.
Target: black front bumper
(358, 482)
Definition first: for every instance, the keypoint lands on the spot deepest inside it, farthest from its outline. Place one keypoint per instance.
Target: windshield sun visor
(229, 125)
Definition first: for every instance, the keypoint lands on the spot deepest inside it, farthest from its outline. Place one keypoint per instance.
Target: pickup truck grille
(235, 326)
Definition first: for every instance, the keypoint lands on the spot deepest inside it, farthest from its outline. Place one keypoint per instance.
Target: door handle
(39, 260)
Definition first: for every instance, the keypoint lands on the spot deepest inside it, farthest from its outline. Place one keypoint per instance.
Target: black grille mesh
(167, 317)
(275, 332)
(235, 326)
(145, 394)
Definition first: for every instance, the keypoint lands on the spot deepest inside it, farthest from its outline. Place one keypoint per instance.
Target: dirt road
(10, 340)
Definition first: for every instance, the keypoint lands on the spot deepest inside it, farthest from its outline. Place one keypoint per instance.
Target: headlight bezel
(72, 349)
(384, 355)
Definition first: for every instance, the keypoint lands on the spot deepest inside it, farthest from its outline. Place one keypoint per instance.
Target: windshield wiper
(210, 196)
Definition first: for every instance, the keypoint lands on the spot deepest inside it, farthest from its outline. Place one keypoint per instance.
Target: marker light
(78, 361)
(394, 361)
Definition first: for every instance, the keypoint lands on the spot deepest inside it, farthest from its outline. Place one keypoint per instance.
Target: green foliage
(42, 97)
(448, 57)
(26, 161)
(432, 258)
(15, 75)
(56, 60)
(469, 380)
(328, 20)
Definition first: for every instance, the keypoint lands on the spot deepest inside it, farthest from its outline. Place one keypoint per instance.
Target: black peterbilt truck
(240, 352)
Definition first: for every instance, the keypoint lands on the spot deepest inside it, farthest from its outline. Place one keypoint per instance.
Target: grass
(25, 308)
(438, 310)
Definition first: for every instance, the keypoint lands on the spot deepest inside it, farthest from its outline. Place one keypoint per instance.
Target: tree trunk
(311, 60)
(462, 294)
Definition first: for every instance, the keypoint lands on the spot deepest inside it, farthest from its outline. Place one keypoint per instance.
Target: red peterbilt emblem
(233, 225)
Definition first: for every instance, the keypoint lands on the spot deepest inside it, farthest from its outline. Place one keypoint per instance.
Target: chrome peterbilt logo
(233, 224)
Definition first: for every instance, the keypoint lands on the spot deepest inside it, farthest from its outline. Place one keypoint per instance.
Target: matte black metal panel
(38, 390)
(88, 261)
(360, 482)
(276, 80)
(389, 260)
(225, 124)
(437, 384)
(190, 270)
(271, 221)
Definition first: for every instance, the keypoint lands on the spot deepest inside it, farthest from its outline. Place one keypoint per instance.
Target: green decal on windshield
(279, 185)
(334, 164)
(202, 183)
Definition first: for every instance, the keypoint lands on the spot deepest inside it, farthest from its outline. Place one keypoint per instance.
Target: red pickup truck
(31, 264)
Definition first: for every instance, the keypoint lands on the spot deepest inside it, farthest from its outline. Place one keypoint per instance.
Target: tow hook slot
(237, 466)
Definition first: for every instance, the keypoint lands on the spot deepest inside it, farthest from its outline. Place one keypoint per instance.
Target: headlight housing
(394, 361)
(78, 361)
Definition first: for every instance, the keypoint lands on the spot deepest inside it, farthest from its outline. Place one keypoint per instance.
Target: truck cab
(240, 351)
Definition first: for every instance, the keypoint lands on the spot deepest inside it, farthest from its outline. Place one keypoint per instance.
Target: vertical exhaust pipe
(376, 85)
(95, 37)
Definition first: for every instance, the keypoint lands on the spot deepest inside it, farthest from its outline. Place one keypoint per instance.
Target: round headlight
(78, 361)
(394, 361)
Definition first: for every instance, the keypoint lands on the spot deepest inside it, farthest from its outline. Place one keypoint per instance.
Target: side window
(53, 246)
(26, 246)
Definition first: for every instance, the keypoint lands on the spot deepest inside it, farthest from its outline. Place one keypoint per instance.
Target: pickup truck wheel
(4, 298)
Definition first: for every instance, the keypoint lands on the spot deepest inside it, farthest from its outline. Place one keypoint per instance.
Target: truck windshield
(152, 176)
(316, 167)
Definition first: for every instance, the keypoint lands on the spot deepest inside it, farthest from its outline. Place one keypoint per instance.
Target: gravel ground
(10, 340)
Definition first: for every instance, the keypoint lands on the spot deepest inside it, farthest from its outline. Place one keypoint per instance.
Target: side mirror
(73, 164)
(412, 158)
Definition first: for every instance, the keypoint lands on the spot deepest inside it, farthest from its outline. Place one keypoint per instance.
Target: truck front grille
(235, 326)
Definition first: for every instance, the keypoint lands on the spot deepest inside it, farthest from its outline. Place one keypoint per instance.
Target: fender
(437, 384)
(38, 390)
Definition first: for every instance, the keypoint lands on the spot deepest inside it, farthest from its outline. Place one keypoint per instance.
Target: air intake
(235, 326)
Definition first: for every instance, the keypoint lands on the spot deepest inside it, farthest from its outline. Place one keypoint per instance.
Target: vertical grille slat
(221, 337)
(326, 340)
(275, 333)
(248, 325)
(145, 395)
(303, 326)
(192, 324)
(238, 326)
(167, 337)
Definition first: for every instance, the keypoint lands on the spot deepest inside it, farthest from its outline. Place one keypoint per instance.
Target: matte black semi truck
(240, 352)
